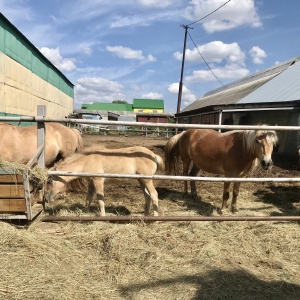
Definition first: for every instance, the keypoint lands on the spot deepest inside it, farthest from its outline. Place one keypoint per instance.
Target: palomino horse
(131, 160)
(19, 144)
(232, 154)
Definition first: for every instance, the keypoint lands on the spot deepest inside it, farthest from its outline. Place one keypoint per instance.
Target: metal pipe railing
(146, 124)
(168, 218)
(178, 178)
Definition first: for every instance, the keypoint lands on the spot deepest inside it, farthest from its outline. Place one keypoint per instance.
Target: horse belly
(211, 167)
(112, 180)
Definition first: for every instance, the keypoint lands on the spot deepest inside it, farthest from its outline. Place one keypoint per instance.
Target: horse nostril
(267, 164)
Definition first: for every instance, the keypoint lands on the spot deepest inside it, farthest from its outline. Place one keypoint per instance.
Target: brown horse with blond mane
(232, 154)
(19, 144)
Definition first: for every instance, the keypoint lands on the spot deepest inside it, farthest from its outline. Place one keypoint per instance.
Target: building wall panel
(21, 91)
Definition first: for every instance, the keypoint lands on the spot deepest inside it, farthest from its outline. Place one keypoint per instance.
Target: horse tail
(172, 153)
(79, 139)
(160, 164)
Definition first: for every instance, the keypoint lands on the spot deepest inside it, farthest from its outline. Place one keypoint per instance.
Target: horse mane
(249, 138)
(68, 160)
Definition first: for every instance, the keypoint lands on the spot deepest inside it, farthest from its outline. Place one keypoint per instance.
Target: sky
(126, 49)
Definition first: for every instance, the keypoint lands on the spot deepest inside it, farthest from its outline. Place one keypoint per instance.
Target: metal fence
(41, 120)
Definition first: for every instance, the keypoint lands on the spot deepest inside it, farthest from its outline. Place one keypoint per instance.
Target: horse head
(54, 185)
(264, 143)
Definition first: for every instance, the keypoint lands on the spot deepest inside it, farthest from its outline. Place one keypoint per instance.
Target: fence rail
(146, 124)
(178, 178)
(40, 119)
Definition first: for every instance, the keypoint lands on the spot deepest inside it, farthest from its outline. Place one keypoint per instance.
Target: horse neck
(75, 165)
(247, 144)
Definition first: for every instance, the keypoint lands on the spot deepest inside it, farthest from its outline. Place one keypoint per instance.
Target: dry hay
(37, 175)
(162, 260)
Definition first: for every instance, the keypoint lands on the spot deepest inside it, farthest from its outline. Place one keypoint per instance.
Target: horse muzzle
(266, 164)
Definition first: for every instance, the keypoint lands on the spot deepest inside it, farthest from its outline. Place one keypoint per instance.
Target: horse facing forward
(232, 154)
(131, 160)
(19, 144)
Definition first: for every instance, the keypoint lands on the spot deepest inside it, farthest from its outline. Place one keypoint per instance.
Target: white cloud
(257, 55)
(156, 3)
(234, 14)
(187, 96)
(97, 89)
(63, 64)
(87, 50)
(227, 61)
(222, 73)
(215, 52)
(127, 53)
(152, 96)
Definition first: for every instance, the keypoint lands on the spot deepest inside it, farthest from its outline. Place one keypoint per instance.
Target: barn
(28, 78)
(271, 96)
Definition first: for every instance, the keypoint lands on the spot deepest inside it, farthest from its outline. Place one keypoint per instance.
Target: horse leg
(194, 171)
(235, 193)
(99, 187)
(90, 195)
(150, 194)
(186, 167)
(225, 195)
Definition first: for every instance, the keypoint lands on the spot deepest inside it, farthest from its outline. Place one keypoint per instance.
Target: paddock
(256, 177)
(174, 259)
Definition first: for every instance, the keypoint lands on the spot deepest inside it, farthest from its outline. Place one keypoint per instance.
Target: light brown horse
(19, 144)
(131, 160)
(232, 154)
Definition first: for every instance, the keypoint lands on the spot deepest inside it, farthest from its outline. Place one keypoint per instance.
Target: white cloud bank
(63, 64)
(152, 96)
(233, 14)
(187, 96)
(127, 53)
(97, 89)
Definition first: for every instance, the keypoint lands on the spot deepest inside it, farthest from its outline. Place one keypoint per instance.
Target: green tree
(120, 101)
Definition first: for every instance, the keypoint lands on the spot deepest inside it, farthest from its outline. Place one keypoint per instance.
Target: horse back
(218, 153)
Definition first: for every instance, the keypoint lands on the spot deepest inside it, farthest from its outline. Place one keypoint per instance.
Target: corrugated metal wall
(28, 79)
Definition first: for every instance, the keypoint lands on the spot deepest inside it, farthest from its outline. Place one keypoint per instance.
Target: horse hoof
(234, 210)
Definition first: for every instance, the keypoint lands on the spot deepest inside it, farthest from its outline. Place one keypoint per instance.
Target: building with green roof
(148, 106)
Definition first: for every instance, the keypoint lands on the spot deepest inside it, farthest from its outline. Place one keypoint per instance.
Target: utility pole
(186, 27)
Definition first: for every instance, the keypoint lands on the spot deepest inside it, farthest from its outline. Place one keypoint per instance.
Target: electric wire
(205, 60)
(209, 13)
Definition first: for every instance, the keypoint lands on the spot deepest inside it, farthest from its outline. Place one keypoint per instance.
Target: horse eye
(257, 141)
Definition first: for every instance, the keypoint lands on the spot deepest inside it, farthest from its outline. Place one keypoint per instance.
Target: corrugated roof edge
(275, 69)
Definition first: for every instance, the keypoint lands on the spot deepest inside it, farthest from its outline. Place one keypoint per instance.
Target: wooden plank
(12, 205)
(11, 191)
(11, 178)
(3, 171)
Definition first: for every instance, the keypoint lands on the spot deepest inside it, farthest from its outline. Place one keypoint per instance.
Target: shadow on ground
(216, 285)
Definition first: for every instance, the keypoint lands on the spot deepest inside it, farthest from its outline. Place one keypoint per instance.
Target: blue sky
(120, 50)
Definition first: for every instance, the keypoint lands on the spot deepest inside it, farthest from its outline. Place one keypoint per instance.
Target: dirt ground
(161, 260)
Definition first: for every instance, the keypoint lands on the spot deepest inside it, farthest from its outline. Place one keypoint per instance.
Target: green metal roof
(108, 106)
(148, 103)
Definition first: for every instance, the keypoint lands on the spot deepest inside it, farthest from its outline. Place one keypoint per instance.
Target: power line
(205, 60)
(186, 27)
(209, 14)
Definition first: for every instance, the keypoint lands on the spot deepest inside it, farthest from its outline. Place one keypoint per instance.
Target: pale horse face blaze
(264, 148)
